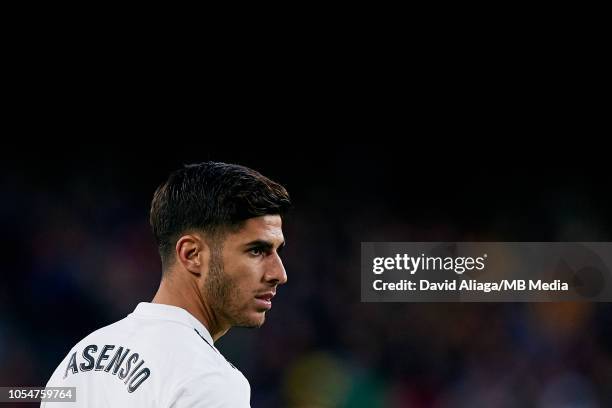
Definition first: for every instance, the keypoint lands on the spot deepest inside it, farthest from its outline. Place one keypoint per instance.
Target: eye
(256, 251)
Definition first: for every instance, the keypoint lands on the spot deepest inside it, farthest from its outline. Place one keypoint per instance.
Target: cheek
(245, 281)
(245, 270)
(237, 272)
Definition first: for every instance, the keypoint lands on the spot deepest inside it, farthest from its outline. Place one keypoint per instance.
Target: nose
(276, 273)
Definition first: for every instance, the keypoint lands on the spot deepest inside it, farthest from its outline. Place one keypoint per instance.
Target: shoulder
(172, 348)
(218, 389)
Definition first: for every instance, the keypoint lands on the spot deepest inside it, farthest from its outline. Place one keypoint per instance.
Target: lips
(266, 296)
(264, 301)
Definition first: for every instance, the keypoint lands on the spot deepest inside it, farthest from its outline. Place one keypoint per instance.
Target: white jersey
(158, 356)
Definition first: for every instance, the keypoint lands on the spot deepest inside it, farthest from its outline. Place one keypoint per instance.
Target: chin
(254, 321)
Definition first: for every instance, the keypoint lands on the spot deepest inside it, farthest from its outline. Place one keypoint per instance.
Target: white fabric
(171, 362)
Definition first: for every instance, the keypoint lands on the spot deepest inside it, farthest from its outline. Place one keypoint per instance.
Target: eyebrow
(266, 245)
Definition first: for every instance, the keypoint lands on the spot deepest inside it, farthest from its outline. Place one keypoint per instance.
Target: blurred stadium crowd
(78, 254)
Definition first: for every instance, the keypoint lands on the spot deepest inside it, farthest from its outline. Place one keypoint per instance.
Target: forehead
(265, 228)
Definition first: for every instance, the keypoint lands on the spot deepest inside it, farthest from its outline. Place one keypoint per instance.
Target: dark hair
(212, 197)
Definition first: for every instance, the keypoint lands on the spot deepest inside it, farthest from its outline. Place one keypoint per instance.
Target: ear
(193, 253)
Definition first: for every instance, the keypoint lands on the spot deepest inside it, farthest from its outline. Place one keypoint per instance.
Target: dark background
(485, 131)
(77, 254)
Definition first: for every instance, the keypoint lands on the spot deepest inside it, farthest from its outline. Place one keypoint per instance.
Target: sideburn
(217, 286)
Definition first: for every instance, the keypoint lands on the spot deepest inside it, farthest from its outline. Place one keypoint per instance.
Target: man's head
(219, 226)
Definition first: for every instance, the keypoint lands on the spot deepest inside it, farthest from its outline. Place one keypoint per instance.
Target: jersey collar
(174, 313)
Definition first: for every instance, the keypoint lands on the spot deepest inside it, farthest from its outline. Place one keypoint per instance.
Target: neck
(177, 292)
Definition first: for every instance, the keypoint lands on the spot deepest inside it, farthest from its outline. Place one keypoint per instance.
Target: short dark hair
(212, 197)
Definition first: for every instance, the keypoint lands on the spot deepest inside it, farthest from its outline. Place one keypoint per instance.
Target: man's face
(245, 273)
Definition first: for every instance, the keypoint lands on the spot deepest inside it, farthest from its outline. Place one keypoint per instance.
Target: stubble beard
(224, 295)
